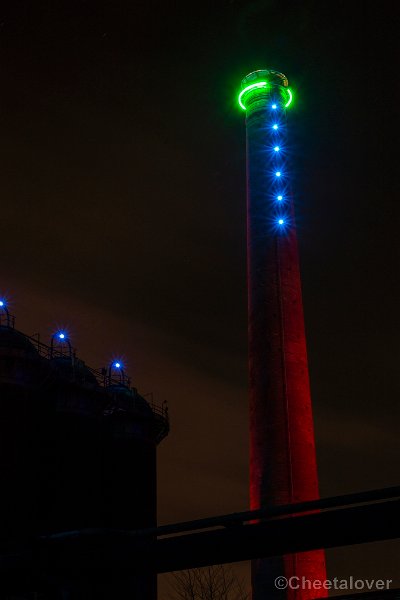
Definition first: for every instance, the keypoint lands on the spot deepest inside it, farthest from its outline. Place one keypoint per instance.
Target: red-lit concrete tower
(282, 450)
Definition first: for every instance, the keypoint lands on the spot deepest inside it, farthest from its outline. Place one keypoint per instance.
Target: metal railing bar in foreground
(240, 518)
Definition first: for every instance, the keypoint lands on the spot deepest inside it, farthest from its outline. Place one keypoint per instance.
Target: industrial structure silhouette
(283, 467)
(78, 445)
(78, 451)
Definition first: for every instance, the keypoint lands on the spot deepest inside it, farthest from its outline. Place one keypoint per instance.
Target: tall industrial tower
(282, 450)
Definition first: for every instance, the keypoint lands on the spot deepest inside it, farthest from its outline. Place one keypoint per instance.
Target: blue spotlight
(61, 335)
(278, 174)
(279, 198)
(281, 221)
(275, 126)
(117, 365)
(274, 106)
(2, 303)
(276, 148)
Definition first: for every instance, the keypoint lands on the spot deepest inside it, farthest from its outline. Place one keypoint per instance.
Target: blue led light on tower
(62, 335)
(278, 469)
(117, 365)
(2, 303)
(274, 106)
(276, 149)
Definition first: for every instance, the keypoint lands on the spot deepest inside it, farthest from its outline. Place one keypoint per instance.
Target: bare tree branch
(217, 582)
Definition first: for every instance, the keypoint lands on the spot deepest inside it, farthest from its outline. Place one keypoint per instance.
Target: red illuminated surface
(282, 449)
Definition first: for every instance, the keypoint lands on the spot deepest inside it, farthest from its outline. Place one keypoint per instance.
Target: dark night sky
(123, 217)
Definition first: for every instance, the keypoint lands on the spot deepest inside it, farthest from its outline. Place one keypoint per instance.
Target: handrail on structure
(240, 518)
(104, 379)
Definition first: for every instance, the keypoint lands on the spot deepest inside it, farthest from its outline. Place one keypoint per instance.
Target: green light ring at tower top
(253, 86)
(290, 97)
(261, 85)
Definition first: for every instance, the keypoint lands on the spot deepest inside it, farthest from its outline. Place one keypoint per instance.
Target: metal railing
(104, 377)
(6, 319)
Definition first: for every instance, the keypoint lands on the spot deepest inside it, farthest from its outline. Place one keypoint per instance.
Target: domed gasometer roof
(129, 399)
(12, 339)
(77, 369)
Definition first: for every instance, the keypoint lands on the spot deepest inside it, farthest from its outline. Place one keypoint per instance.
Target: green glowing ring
(261, 84)
(290, 97)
